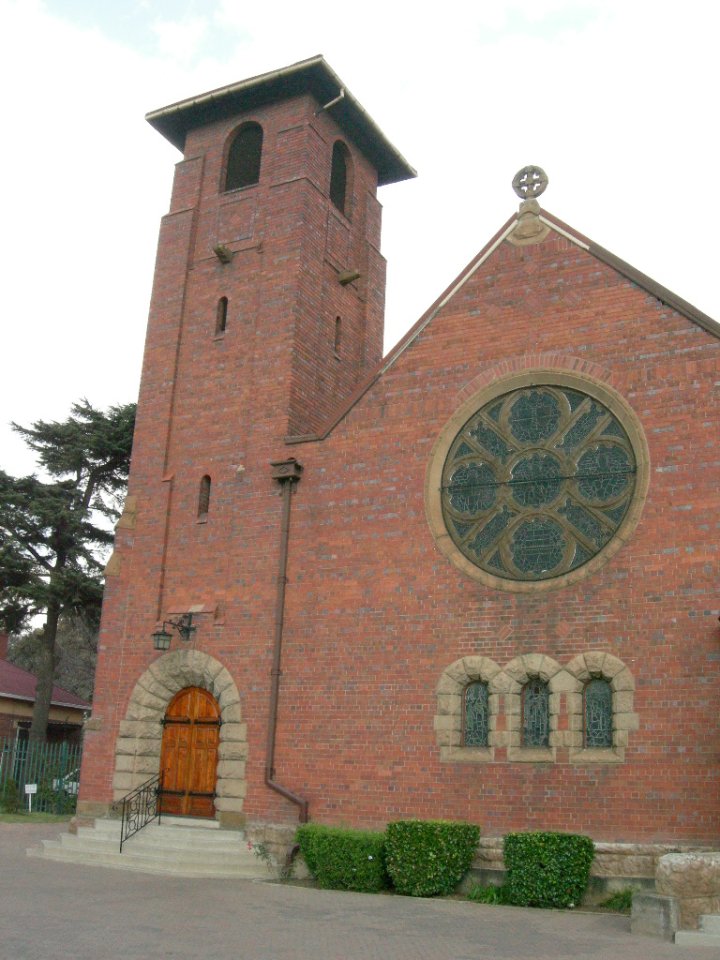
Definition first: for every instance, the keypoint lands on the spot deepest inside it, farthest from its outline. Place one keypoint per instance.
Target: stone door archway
(137, 751)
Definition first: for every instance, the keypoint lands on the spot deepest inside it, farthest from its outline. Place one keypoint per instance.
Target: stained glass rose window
(537, 482)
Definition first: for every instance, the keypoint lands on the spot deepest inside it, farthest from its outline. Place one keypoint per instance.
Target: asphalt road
(53, 911)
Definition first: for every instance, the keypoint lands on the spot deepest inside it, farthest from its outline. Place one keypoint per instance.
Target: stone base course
(279, 841)
(694, 880)
(616, 865)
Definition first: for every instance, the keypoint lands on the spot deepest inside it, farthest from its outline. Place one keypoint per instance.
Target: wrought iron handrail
(140, 808)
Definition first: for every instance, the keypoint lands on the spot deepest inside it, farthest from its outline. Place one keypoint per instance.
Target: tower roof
(308, 76)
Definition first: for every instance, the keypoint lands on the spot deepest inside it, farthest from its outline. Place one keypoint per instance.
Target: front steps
(707, 936)
(178, 847)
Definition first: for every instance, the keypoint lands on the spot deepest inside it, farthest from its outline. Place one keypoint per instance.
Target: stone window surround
(505, 699)
(556, 371)
(137, 752)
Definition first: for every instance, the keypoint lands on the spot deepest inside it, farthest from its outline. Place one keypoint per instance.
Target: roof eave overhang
(636, 276)
(53, 703)
(312, 76)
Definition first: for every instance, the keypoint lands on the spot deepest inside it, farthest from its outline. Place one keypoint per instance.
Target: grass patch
(34, 818)
(618, 902)
(489, 894)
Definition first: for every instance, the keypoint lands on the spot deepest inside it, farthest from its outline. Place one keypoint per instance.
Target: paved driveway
(53, 911)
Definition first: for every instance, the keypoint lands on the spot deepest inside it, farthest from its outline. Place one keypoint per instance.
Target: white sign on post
(30, 789)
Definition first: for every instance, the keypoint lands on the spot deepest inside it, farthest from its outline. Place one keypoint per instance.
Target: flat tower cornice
(312, 76)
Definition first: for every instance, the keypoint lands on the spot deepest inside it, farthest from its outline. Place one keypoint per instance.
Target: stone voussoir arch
(137, 752)
(520, 671)
(505, 686)
(588, 666)
(450, 694)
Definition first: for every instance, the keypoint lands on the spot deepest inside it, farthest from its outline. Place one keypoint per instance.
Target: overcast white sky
(615, 99)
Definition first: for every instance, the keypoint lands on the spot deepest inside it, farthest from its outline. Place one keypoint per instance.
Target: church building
(474, 579)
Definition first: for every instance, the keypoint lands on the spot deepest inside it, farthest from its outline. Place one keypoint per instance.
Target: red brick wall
(222, 406)
(374, 612)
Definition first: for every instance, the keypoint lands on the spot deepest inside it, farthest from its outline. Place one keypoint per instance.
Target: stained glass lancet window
(476, 720)
(537, 482)
(535, 714)
(598, 713)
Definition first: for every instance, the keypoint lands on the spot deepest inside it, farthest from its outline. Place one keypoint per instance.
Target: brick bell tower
(266, 313)
(270, 251)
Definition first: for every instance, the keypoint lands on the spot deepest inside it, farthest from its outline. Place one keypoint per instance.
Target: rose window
(537, 482)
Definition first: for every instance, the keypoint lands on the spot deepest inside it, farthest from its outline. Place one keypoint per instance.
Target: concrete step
(186, 823)
(168, 848)
(697, 938)
(89, 846)
(153, 865)
(710, 923)
(191, 823)
(153, 834)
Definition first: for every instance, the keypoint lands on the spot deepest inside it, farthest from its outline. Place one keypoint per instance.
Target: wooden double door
(188, 760)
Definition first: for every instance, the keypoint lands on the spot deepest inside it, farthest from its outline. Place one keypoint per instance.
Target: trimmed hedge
(429, 857)
(547, 869)
(341, 859)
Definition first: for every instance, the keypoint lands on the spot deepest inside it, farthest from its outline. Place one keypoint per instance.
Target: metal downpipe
(287, 473)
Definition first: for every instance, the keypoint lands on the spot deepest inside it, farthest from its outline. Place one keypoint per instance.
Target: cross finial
(530, 182)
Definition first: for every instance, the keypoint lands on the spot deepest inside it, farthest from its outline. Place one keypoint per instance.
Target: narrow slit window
(340, 177)
(221, 316)
(243, 162)
(338, 335)
(204, 498)
(536, 714)
(598, 714)
(477, 715)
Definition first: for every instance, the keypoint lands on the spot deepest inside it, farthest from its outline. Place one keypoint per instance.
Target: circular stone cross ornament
(530, 182)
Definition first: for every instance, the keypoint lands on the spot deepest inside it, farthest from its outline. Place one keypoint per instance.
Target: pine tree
(52, 532)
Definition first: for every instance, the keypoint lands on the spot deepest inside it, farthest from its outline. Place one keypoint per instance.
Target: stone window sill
(598, 755)
(467, 754)
(531, 754)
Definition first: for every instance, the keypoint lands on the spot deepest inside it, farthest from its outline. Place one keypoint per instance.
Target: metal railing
(140, 808)
(53, 769)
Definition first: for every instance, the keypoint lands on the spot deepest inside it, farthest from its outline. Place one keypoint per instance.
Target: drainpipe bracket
(284, 470)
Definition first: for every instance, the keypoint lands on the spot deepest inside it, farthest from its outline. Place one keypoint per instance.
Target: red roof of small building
(19, 684)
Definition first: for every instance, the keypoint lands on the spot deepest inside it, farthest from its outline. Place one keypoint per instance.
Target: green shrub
(489, 894)
(344, 859)
(428, 857)
(11, 799)
(619, 902)
(547, 869)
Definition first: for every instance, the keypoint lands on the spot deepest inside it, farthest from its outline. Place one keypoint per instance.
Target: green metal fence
(53, 768)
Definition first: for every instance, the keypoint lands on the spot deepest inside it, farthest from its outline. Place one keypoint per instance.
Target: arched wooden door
(188, 760)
